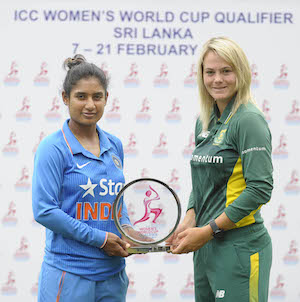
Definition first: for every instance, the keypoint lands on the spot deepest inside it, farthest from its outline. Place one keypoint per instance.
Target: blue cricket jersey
(72, 196)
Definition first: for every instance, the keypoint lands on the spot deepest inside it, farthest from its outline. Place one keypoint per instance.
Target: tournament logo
(293, 117)
(173, 115)
(130, 149)
(132, 80)
(292, 258)
(282, 81)
(53, 114)
(143, 115)
(254, 76)
(159, 290)
(278, 292)
(23, 184)
(189, 148)
(113, 114)
(191, 79)
(117, 162)
(141, 258)
(266, 110)
(174, 180)
(34, 289)
(279, 221)
(170, 258)
(23, 114)
(131, 291)
(280, 151)
(41, 137)
(104, 68)
(141, 186)
(293, 186)
(9, 287)
(188, 292)
(160, 150)
(161, 80)
(12, 78)
(41, 79)
(22, 253)
(10, 218)
(11, 148)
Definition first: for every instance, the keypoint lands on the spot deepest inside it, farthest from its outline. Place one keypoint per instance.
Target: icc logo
(41, 78)
(174, 180)
(160, 150)
(188, 290)
(281, 150)
(292, 256)
(254, 76)
(131, 291)
(41, 137)
(23, 114)
(161, 80)
(22, 252)
(10, 218)
(130, 148)
(23, 183)
(293, 186)
(279, 221)
(266, 110)
(143, 115)
(159, 291)
(113, 114)
(132, 79)
(174, 113)
(9, 288)
(12, 77)
(281, 81)
(189, 148)
(191, 79)
(11, 149)
(293, 116)
(53, 114)
(278, 290)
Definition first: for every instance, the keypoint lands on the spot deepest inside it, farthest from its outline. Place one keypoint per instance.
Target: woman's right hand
(115, 246)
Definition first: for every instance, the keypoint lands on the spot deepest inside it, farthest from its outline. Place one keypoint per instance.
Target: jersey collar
(227, 113)
(74, 145)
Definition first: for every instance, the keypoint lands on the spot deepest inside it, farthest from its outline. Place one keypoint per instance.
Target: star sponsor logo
(279, 222)
(278, 291)
(173, 115)
(11, 148)
(23, 184)
(143, 115)
(281, 81)
(189, 148)
(130, 149)
(9, 287)
(266, 109)
(191, 79)
(53, 114)
(254, 76)
(12, 78)
(42, 79)
(188, 292)
(161, 80)
(281, 151)
(293, 186)
(293, 117)
(132, 79)
(159, 288)
(10, 219)
(89, 188)
(22, 253)
(160, 150)
(113, 114)
(24, 114)
(292, 257)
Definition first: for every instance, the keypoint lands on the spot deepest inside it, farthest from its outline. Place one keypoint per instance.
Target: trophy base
(148, 249)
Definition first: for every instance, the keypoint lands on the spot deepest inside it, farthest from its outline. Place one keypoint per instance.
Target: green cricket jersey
(232, 166)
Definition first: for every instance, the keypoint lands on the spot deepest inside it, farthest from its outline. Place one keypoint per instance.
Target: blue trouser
(59, 286)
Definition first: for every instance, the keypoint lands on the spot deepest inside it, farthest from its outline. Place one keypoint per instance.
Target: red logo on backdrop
(130, 148)
(281, 150)
(171, 258)
(293, 116)
(143, 115)
(279, 221)
(132, 79)
(22, 252)
(292, 255)
(131, 291)
(12, 78)
(41, 78)
(159, 290)
(278, 290)
(282, 81)
(11, 149)
(104, 68)
(189, 148)
(9, 288)
(191, 79)
(174, 113)
(293, 186)
(41, 137)
(34, 289)
(161, 80)
(53, 113)
(188, 290)
(113, 114)
(254, 76)
(10, 218)
(23, 183)
(174, 180)
(160, 150)
(23, 114)
(266, 110)
(142, 186)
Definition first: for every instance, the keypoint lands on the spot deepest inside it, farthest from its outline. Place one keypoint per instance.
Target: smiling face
(219, 78)
(86, 102)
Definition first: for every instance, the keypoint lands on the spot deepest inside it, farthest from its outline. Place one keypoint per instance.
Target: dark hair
(78, 68)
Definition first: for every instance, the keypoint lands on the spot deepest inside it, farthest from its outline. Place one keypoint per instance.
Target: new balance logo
(220, 293)
(80, 167)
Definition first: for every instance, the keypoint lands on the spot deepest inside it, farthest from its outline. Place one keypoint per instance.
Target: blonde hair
(232, 53)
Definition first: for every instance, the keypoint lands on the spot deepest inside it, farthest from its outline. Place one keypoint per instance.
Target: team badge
(219, 139)
(117, 162)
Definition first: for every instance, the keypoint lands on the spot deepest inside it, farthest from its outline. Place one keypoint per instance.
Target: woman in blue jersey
(231, 180)
(78, 171)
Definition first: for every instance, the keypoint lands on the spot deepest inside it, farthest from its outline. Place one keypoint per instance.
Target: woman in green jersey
(231, 179)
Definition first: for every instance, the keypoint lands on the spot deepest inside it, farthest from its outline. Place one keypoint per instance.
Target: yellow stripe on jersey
(254, 275)
(235, 186)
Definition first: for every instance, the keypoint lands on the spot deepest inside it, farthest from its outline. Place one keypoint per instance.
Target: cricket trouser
(236, 268)
(59, 286)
